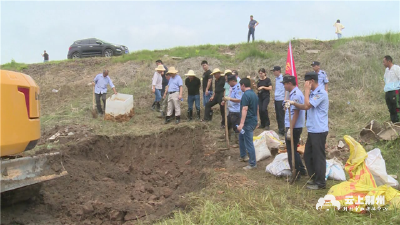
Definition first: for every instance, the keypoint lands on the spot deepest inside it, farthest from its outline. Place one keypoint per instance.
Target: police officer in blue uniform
(233, 101)
(298, 119)
(279, 98)
(322, 76)
(316, 103)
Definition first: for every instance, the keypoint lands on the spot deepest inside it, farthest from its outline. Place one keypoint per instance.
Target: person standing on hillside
(100, 83)
(279, 98)
(248, 123)
(45, 56)
(316, 103)
(164, 105)
(322, 76)
(164, 80)
(297, 119)
(233, 101)
(392, 87)
(207, 82)
(216, 98)
(252, 28)
(264, 86)
(157, 86)
(193, 85)
(338, 29)
(174, 90)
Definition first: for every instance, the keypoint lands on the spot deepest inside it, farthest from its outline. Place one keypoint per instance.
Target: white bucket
(119, 105)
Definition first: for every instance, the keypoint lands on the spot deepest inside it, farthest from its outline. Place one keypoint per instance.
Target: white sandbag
(376, 165)
(260, 145)
(280, 166)
(273, 141)
(334, 170)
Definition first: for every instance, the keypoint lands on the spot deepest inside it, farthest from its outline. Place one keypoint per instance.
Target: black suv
(95, 47)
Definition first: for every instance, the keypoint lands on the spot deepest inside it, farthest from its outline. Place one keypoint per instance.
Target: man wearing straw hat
(193, 85)
(157, 86)
(174, 89)
(216, 98)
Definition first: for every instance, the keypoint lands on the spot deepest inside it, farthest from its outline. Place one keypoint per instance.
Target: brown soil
(120, 118)
(116, 180)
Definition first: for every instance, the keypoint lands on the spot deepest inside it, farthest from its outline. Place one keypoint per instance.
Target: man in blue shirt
(316, 103)
(100, 89)
(279, 98)
(233, 101)
(297, 119)
(322, 76)
(252, 28)
(174, 89)
(248, 123)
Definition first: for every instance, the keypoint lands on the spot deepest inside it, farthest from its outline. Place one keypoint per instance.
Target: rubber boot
(198, 114)
(167, 120)
(211, 114)
(178, 119)
(158, 106)
(153, 106)
(190, 115)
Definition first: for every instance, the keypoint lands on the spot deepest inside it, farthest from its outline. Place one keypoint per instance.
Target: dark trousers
(280, 116)
(263, 108)
(98, 104)
(297, 160)
(315, 158)
(251, 32)
(392, 102)
(233, 120)
(217, 100)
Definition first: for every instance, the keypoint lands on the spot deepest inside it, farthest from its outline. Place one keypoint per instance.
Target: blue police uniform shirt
(237, 94)
(174, 83)
(317, 115)
(297, 96)
(322, 78)
(279, 89)
(101, 83)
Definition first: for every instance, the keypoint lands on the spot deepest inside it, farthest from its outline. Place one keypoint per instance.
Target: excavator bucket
(24, 171)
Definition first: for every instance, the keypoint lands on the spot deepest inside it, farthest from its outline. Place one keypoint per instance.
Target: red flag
(290, 67)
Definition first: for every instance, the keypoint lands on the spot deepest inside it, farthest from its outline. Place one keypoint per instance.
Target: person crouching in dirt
(298, 119)
(193, 85)
(174, 90)
(216, 98)
(316, 103)
(100, 89)
(233, 101)
(157, 86)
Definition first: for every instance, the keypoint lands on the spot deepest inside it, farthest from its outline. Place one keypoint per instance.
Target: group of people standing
(247, 103)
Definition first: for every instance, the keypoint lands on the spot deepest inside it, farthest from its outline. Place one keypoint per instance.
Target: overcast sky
(28, 28)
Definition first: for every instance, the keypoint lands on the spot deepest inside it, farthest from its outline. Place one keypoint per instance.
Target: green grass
(14, 66)
(387, 38)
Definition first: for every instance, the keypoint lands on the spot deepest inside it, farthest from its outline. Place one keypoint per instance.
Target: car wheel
(75, 55)
(108, 53)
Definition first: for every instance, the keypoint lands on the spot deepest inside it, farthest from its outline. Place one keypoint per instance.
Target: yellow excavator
(20, 132)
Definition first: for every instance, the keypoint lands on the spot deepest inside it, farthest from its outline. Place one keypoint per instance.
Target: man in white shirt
(392, 86)
(338, 29)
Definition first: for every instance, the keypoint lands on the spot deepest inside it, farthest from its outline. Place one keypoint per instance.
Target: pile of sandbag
(261, 147)
(361, 186)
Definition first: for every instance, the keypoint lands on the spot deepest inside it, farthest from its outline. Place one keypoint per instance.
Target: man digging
(298, 119)
(233, 101)
(316, 103)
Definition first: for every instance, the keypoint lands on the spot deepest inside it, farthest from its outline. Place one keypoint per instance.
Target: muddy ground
(117, 180)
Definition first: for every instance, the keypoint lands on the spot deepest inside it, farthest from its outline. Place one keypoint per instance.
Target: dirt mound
(70, 133)
(116, 180)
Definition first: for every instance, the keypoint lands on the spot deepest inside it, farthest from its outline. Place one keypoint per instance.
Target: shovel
(294, 175)
(94, 112)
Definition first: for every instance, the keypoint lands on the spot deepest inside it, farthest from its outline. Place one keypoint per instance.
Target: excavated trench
(117, 180)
